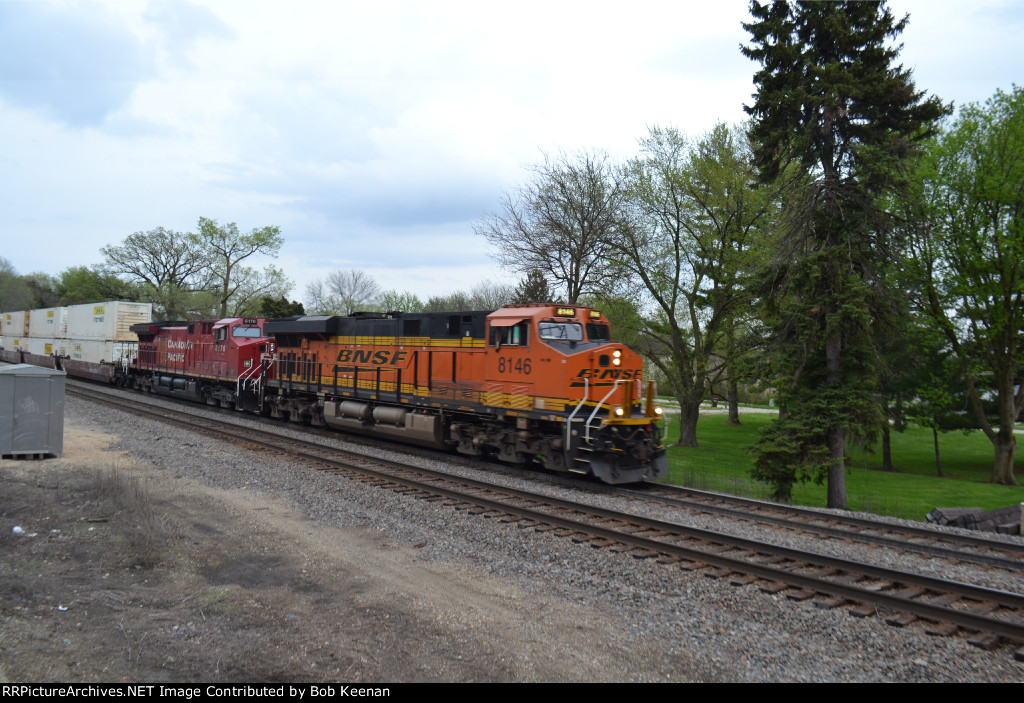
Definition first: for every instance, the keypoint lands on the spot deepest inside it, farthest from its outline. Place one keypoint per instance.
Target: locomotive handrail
(597, 407)
(568, 422)
(247, 375)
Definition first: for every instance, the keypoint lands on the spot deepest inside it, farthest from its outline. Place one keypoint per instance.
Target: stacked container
(93, 333)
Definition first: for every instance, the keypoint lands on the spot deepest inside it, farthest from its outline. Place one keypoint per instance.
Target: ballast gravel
(652, 622)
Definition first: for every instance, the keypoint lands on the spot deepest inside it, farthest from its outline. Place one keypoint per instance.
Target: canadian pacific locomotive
(526, 383)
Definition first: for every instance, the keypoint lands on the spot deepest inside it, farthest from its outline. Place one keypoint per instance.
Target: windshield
(246, 332)
(563, 331)
(598, 332)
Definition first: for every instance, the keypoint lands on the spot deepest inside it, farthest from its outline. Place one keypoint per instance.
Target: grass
(142, 530)
(723, 462)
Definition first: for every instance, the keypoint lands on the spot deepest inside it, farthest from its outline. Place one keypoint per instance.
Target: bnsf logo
(367, 356)
(613, 374)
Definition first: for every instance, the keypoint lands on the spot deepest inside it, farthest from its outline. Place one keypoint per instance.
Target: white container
(96, 352)
(14, 324)
(47, 323)
(106, 322)
(42, 347)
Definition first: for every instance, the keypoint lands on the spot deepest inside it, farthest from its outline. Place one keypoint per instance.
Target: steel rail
(788, 576)
(925, 533)
(1008, 563)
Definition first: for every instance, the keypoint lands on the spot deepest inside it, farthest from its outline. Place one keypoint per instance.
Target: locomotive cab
(523, 383)
(557, 372)
(212, 361)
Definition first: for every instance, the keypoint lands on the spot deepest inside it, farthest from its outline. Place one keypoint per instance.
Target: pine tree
(534, 289)
(838, 118)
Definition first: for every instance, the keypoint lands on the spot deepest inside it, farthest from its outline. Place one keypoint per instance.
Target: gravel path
(523, 606)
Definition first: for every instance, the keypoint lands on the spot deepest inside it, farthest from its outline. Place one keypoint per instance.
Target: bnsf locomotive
(524, 383)
(535, 382)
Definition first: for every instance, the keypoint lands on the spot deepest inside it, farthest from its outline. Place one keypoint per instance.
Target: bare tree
(491, 295)
(486, 295)
(342, 292)
(560, 222)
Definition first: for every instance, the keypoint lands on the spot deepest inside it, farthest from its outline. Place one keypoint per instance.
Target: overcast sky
(374, 134)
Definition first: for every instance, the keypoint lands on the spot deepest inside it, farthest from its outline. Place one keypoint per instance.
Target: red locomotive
(211, 361)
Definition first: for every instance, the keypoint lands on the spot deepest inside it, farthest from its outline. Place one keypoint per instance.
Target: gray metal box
(31, 411)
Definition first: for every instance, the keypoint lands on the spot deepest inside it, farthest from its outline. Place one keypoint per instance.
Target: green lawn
(723, 463)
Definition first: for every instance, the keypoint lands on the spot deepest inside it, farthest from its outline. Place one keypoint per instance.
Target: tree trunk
(733, 399)
(938, 460)
(1006, 447)
(689, 412)
(835, 437)
(886, 448)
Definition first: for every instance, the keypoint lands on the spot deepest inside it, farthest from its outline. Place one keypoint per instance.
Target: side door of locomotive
(509, 366)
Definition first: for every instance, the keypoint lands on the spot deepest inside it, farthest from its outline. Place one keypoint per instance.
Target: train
(536, 383)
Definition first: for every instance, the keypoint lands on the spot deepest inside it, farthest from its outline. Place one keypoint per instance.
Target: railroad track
(972, 549)
(990, 616)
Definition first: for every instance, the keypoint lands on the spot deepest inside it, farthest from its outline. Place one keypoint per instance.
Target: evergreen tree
(533, 289)
(271, 307)
(837, 116)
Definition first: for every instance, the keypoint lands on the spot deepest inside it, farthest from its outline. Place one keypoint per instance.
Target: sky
(374, 134)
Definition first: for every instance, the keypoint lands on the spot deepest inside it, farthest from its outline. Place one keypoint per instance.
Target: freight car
(523, 383)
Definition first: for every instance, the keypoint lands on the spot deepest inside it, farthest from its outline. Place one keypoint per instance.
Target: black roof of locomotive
(378, 324)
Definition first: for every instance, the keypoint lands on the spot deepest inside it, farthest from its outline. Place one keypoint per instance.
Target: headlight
(657, 410)
(619, 412)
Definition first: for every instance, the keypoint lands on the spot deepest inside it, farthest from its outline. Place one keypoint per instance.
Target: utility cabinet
(31, 411)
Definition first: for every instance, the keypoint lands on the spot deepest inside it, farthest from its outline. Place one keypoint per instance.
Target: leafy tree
(692, 217)
(623, 313)
(457, 300)
(342, 292)
(967, 259)
(279, 307)
(15, 294)
(239, 288)
(560, 222)
(930, 373)
(533, 289)
(835, 110)
(168, 265)
(405, 301)
(43, 287)
(81, 284)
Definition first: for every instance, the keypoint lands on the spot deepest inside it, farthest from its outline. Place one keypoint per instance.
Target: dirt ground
(122, 572)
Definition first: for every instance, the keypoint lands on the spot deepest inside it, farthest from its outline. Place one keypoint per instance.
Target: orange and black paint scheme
(524, 383)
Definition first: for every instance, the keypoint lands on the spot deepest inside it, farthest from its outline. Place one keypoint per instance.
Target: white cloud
(375, 134)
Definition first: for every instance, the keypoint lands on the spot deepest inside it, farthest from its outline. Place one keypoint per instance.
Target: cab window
(561, 331)
(599, 332)
(514, 336)
(252, 332)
